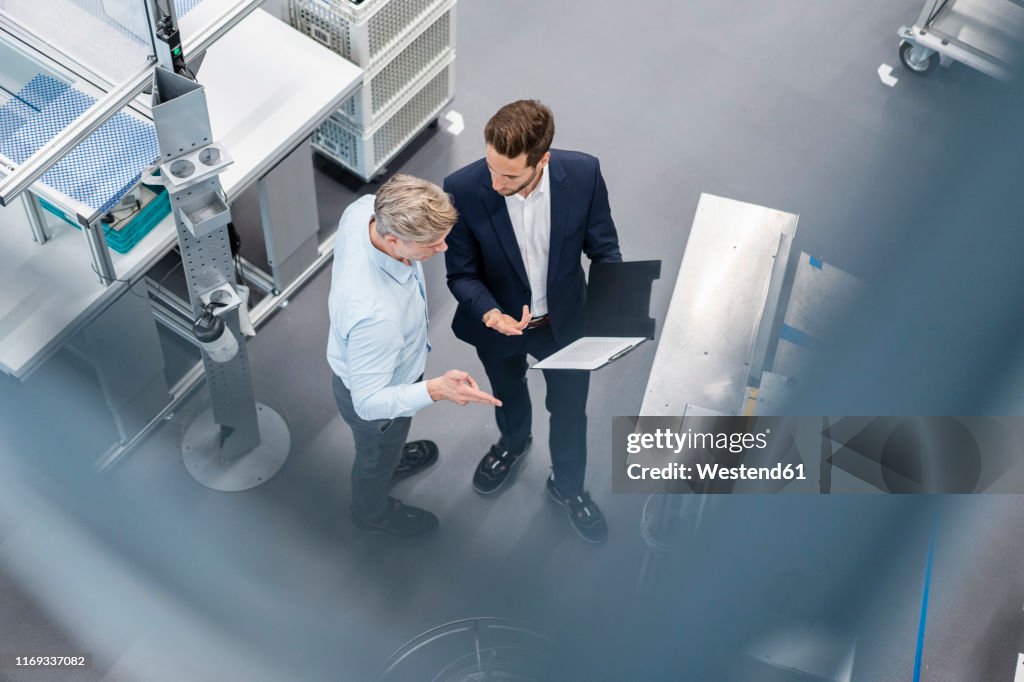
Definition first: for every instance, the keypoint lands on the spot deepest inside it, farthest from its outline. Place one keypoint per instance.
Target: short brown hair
(414, 210)
(526, 126)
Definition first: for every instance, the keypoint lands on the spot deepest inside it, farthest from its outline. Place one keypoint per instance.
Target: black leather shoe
(400, 521)
(587, 519)
(496, 468)
(416, 456)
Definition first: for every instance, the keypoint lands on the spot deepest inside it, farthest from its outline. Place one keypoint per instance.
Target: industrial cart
(986, 35)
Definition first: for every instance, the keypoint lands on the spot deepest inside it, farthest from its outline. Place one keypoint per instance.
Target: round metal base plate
(221, 469)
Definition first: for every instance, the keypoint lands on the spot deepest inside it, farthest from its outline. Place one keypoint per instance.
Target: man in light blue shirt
(377, 347)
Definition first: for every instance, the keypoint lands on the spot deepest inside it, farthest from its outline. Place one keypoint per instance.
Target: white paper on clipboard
(590, 352)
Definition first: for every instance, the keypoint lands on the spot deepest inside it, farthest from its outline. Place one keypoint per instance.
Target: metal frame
(175, 315)
(117, 98)
(133, 266)
(107, 106)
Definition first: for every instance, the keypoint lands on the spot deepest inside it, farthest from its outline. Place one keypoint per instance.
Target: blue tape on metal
(815, 262)
(919, 649)
(794, 335)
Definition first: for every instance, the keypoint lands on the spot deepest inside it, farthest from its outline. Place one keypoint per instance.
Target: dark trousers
(566, 403)
(379, 445)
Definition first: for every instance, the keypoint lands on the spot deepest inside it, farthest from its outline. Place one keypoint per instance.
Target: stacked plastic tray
(407, 50)
(123, 239)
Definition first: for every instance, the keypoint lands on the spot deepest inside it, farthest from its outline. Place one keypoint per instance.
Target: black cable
(123, 281)
(235, 244)
(131, 284)
(110, 217)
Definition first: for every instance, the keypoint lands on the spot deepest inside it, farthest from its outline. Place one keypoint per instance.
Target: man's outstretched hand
(506, 324)
(460, 388)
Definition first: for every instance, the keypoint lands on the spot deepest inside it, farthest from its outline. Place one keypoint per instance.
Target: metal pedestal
(226, 463)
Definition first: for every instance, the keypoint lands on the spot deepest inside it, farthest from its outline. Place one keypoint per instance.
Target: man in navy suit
(526, 214)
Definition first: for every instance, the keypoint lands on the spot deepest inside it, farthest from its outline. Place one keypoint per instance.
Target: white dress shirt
(531, 221)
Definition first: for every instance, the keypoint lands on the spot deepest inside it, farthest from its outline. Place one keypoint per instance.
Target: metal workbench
(264, 105)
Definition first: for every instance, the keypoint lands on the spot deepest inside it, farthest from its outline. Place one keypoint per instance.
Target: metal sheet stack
(407, 49)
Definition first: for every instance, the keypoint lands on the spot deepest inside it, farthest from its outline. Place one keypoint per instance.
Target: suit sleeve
(601, 243)
(462, 261)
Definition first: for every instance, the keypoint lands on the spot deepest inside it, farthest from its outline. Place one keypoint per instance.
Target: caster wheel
(917, 59)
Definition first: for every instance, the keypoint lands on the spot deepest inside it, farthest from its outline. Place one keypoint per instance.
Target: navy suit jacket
(485, 267)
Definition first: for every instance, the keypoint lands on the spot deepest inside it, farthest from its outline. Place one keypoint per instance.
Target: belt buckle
(537, 322)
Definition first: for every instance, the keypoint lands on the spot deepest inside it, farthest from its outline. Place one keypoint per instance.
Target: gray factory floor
(778, 104)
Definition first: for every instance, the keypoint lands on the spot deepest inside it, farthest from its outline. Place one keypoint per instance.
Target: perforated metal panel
(207, 260)
(184, 125)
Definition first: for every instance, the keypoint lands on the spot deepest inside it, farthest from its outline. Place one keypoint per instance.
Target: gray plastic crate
(365, 153)
(387, 85)
(365, 33)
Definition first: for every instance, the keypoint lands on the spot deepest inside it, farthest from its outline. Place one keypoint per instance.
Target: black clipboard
(617, 315)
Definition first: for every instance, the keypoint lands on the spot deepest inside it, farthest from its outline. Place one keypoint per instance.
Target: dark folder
(619, 298)
(617, 316)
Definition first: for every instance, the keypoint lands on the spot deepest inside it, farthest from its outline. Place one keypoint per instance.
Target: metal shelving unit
(986, 35)
(407, 48)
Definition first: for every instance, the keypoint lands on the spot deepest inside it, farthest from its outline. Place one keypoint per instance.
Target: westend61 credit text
(716, 472)
(670, 441)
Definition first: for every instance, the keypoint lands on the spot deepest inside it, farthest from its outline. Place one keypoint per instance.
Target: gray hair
(413, 210)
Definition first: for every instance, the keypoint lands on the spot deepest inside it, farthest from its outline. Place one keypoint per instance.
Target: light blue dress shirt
(378, 306)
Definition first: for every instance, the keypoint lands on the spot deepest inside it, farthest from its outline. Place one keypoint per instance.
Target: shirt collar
(542, 188)
(396, 269)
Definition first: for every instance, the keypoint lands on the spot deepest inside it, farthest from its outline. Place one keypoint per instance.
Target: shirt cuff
(420, 395)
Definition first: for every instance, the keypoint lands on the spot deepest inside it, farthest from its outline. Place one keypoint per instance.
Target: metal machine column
(237, 444)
